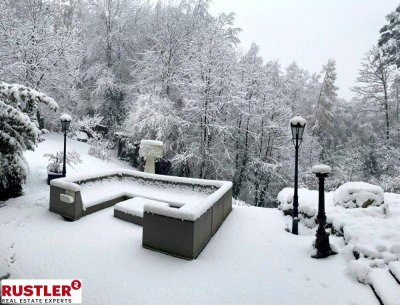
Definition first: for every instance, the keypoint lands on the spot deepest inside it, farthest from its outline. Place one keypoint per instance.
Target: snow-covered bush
(81, 136)
(306, 201)
(56, 160)
(358, 194)
(18, 132)
(100, 148)
(307, 206)
(84, 128)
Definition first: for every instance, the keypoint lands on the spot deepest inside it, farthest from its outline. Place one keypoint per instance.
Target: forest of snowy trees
(175, 73)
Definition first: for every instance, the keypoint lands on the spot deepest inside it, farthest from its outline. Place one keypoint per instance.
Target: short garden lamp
(297, 125)
(322, 237)
(151, 150)
(65, 122)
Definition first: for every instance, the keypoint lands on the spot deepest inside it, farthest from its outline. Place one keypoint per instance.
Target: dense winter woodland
(175, 73)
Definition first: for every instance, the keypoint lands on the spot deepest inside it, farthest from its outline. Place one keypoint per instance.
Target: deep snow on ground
(251, 259)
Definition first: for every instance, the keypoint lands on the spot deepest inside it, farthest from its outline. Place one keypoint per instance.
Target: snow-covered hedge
(358, 194)
(370, 233)
(307, 204)
(100, 148)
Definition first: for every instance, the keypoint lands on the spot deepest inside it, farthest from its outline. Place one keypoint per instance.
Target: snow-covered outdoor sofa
(180, 217)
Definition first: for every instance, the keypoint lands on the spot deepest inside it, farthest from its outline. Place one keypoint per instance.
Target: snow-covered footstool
(358, 194)
(131, 210)
(151, 150)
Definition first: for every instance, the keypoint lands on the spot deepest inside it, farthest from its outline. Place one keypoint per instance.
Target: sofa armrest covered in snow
(181, 227)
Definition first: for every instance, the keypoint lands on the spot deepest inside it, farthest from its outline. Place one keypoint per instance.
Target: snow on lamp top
(321, 169)
(65, 117)
(298, 120)
(151, 148)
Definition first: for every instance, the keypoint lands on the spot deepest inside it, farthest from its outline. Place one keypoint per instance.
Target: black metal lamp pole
(297, 125)
(65, 122)
(322, 237)
(64, 172)
(295, 223)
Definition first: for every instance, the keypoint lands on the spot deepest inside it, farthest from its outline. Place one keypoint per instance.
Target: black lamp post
(322, 237)
(297, 125)
(65, 122)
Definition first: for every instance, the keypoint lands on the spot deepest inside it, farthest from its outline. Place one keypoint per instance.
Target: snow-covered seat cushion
(134, 206)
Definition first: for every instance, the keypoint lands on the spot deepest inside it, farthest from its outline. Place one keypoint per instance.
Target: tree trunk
(386, 105)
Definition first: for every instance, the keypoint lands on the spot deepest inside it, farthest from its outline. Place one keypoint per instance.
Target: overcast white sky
(311, 31)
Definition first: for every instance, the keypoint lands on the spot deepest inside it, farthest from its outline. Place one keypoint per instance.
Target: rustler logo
(41, 292)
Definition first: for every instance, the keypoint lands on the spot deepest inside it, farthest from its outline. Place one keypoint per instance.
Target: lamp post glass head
(297, 124)
(65, 122)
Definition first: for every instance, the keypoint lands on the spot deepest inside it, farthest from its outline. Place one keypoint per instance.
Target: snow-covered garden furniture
(358, 194)
(131, 210)
(151, 150)
(180, 215)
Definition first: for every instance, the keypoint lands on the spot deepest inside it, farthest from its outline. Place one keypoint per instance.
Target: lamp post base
(295, 226)
(323, 247)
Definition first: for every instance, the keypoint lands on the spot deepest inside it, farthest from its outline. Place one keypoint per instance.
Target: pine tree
(325, 104)
(18, 132)
(389, 40)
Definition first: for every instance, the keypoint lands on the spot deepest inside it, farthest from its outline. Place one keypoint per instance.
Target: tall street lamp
(297, 125)
(65, 122)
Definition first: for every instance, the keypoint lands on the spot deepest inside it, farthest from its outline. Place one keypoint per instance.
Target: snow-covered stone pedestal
(151, 150)
(322, 237)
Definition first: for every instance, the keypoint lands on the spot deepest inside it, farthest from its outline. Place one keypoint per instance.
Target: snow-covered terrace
(181, 216)
(250, 260)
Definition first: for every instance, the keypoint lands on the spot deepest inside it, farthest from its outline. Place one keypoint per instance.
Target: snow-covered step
(394, 268)
(385, 286)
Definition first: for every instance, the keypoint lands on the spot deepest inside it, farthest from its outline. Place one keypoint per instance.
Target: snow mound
(308, 203)
(360, 270)
(82, 136)
(358, 194)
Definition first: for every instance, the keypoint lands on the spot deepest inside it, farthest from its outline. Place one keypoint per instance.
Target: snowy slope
(251, 260)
